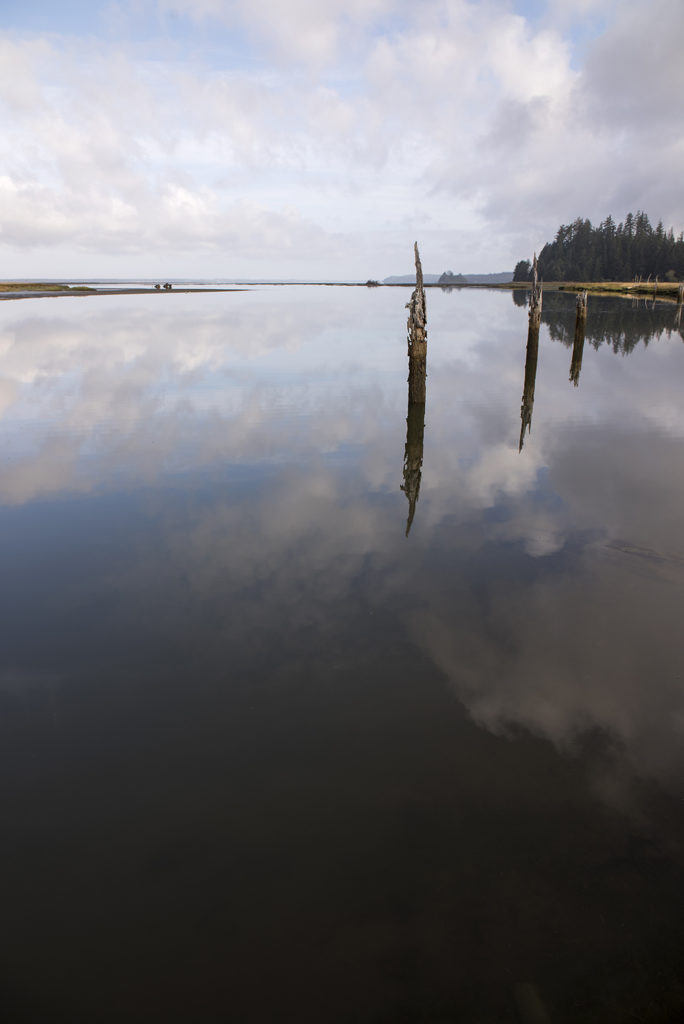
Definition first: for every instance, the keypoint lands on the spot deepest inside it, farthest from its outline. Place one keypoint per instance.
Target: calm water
(267, 758)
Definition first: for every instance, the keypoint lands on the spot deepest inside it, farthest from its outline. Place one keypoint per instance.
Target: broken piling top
(419, 269)
(417, 319)
(417, 313)
(417, 336)
(536, 294)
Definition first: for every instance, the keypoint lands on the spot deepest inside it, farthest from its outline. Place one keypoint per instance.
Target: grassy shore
(34, 286)
(664, 290)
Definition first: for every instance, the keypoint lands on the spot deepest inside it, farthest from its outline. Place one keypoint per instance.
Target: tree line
(610, 252)
(622, 326)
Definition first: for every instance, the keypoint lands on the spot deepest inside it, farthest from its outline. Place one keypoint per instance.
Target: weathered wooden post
(655, 287)
(535, 295)
(680, 300)
(417, 337)
(413, 457)
(578, 344)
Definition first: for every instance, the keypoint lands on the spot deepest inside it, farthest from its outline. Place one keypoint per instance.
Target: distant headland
(448, 278)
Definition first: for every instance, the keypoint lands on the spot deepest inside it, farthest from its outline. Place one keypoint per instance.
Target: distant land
(503, 278)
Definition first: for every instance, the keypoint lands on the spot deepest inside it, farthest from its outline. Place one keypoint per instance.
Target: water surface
(281, 740)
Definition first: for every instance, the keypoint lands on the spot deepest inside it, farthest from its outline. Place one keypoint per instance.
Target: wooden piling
(417, 337)
(535, 295)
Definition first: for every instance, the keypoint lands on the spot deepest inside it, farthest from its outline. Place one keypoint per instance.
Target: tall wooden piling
(535, 295)
(417, 337)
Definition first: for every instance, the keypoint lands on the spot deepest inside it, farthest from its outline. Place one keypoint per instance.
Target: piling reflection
(622, 324)
(415, 418)
(413, 457)
(578, 344)
(530, 378)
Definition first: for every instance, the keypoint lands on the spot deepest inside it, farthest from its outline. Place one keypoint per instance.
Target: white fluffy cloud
(317, 139)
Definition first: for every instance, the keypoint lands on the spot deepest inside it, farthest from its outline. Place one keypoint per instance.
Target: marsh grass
(36, 286)
(665, 289)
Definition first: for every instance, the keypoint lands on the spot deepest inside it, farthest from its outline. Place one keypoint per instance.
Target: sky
(318, 139)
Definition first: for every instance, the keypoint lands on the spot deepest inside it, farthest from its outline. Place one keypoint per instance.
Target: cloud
(634, 73)
(315, 32)
(332, 130)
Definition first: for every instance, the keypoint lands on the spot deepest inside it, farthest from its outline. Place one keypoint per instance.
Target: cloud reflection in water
(544, 586)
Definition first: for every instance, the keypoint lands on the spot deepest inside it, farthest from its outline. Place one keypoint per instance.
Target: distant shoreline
(53, 291)
(38, 290)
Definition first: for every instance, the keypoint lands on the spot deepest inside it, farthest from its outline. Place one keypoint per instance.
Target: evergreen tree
(523, 271)
(633, 248)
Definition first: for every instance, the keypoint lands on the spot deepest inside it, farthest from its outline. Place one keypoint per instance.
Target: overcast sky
(319, 138)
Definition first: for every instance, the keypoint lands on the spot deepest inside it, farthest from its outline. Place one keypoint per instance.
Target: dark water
(264, 756)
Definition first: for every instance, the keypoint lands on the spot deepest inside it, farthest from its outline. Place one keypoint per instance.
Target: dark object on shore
(451, 280)
(417, 337)
(157, 287)
(167, 287)
(372, 284)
